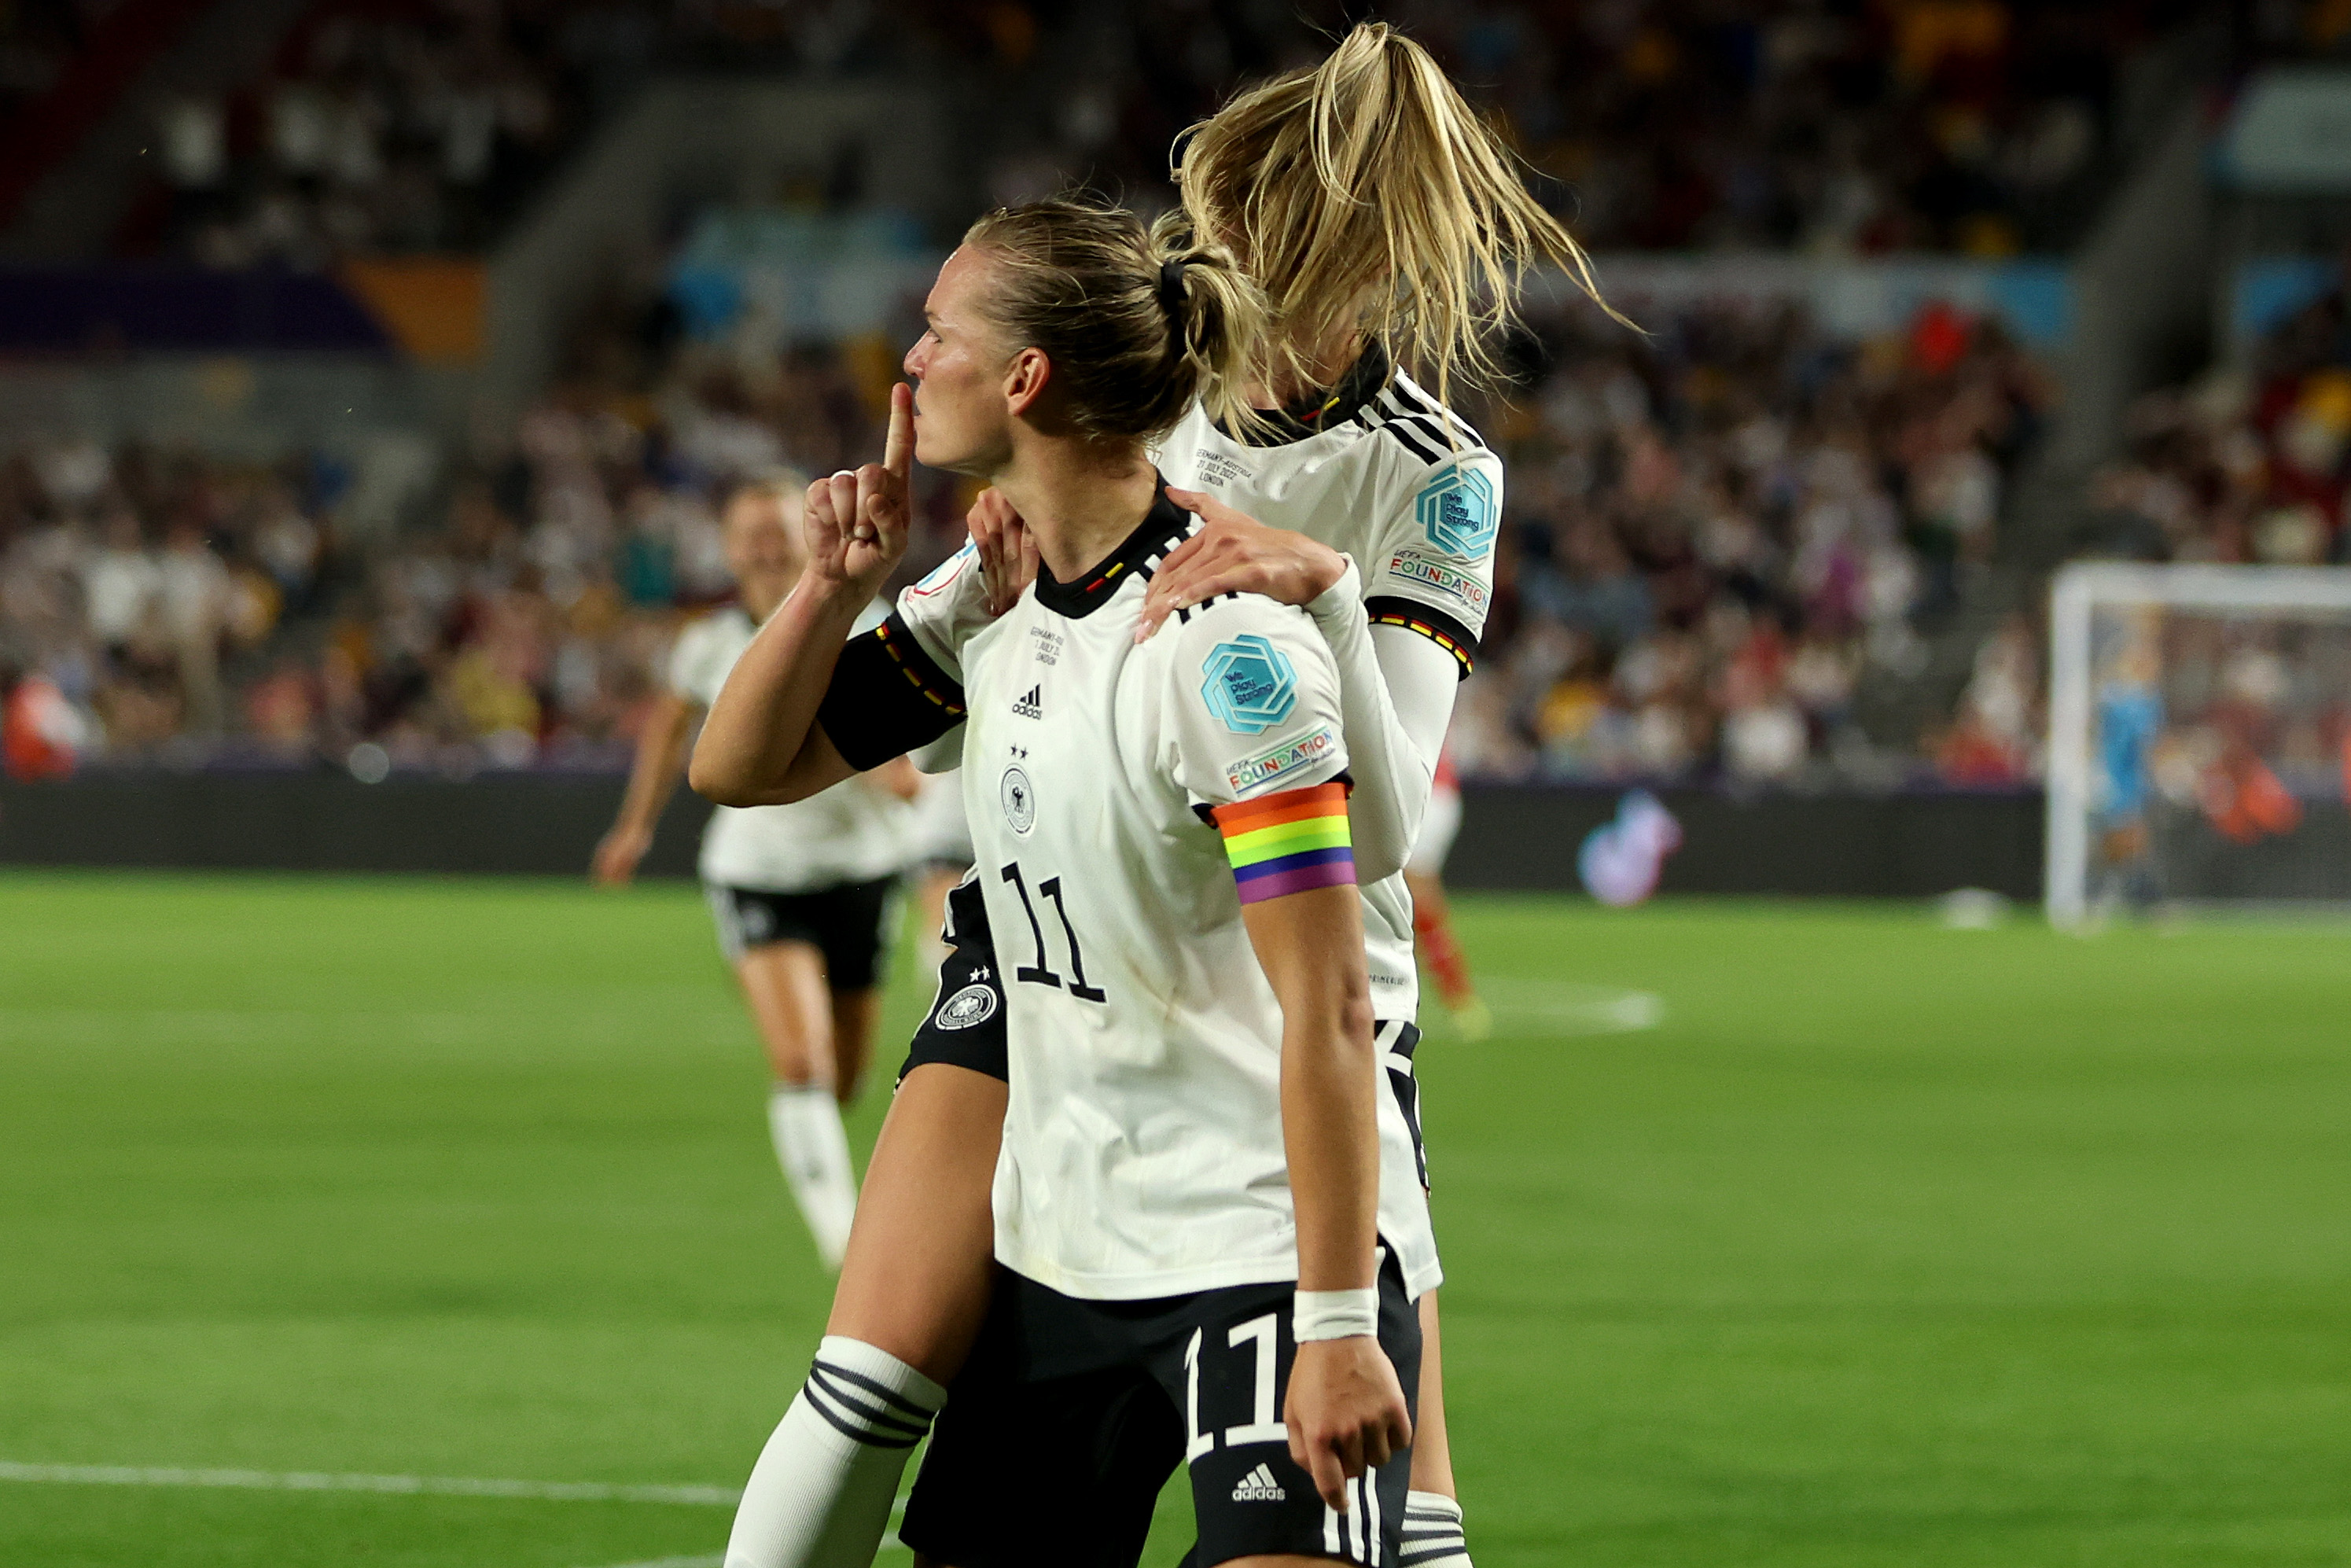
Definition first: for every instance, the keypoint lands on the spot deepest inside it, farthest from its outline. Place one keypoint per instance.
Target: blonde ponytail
(1365, 195)
(1138, 324)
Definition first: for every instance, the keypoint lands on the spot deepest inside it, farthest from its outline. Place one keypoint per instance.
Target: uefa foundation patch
(1263, 768)
(1439, 577)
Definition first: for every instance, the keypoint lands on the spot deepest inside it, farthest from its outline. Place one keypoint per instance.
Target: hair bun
(1171, 285)
(1132, 340)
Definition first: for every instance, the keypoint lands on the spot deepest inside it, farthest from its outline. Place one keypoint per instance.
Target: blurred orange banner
(433, 306)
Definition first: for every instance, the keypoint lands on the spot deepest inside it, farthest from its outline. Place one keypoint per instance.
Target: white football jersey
(1388, 476)
(1392, 479)
(854, 831)
(1143, 1149)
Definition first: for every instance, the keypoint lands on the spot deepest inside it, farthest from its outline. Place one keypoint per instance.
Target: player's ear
(1025, 379)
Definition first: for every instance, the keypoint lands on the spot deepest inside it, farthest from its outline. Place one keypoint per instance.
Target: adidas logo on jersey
(1259, 1486)
(1030, 703)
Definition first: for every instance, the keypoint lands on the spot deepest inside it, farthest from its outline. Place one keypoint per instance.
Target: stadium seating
(1721, 539)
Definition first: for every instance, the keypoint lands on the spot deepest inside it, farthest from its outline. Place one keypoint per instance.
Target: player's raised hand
(1235, 553)
(1008, 552)
(857, 522)
(1345, 1412)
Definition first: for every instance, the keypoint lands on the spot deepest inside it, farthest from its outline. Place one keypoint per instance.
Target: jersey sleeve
(689, 673)
(944, 611)
(1386, 676)
(1432, 571)
(899, 685)
(888, 696)
(1260, 744)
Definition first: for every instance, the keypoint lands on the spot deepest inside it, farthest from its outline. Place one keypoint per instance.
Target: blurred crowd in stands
(174, 608)
(131, 584)
(1715, 536)
(1719, 539)
(2249, 463)
(1873, 125)
(1711, 536)
(418, 125)
(1834, 126)
(376, 128)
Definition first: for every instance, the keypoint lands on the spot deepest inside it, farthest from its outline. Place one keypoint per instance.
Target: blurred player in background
(2130, 721)
(1388, 226)
(938, 855)
(41, 734)
(1432, 918)
(804, 894)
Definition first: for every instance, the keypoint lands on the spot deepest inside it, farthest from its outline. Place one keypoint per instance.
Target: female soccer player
(938, 854)
(1197, 1151)
(1386, 223)
(801, 893)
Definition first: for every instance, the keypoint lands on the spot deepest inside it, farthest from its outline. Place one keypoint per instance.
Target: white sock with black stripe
(1432, 1532)
(821, 1494)
(804, 1120)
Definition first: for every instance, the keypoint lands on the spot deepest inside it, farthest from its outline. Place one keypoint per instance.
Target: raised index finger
(898, 447)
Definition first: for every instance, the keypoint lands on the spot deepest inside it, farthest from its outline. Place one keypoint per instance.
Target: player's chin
(935, 449)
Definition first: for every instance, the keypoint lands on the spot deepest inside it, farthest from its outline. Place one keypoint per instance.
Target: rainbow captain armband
(1289, 842)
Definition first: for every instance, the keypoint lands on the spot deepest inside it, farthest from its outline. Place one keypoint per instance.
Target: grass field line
(442, 1486)
(309, 1480)
(106, 1026)
(1571, 1006)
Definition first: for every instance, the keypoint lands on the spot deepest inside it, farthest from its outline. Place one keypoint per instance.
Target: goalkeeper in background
(2130, 719)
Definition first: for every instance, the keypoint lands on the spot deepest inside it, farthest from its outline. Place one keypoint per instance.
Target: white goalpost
(2199, 738)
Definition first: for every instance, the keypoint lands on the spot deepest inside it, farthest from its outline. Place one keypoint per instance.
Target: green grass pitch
(1885, 1246)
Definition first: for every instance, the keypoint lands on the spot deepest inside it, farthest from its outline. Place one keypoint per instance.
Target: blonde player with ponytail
(1389, 229)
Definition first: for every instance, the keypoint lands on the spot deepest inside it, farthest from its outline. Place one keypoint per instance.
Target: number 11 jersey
(1143, 1143)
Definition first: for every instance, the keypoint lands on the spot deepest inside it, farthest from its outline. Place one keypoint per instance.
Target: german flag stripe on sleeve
(1289, 842)
(887, 696)
(1387, 610)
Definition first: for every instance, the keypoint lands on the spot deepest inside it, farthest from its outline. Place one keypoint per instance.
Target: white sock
(1432, 1532)
(821, 1494)
(805, 1121)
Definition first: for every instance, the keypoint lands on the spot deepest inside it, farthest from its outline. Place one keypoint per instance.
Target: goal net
(2199, 738)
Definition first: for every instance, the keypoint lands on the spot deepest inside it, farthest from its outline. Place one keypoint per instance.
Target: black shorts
(847, 922)
(1070, 1414)
(965, 1027)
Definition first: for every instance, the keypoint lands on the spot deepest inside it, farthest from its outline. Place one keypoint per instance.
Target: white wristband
(1335, 1315)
